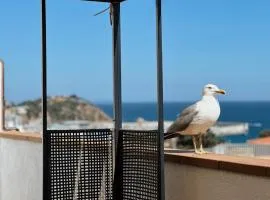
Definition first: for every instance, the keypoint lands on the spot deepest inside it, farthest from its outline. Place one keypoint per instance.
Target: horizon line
(185, 101)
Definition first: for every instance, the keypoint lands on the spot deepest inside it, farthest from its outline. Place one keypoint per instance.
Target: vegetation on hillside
(61, 108)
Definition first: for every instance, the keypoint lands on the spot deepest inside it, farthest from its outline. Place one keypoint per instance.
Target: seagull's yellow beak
(221, 91)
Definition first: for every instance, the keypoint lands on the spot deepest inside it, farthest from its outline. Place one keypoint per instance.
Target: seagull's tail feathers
(172, 131)
(169, 135)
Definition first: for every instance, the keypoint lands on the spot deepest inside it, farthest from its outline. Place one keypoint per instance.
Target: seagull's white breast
(208, 110)
(208, 113)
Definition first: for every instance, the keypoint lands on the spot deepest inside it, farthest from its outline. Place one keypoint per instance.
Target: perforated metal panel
(138, 167)
(79, 164)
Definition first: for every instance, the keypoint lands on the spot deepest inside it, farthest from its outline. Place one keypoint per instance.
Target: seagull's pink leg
(195, 145)
(201, 145)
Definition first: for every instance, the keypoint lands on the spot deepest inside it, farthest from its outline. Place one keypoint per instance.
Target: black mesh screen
(137, 166)
(79, 164)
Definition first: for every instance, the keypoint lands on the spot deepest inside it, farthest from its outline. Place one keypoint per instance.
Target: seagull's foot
(198, 152)
(203, 151)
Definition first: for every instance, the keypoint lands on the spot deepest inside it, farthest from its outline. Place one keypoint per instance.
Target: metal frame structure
(160, 96)
(116, 86)
(46, 178)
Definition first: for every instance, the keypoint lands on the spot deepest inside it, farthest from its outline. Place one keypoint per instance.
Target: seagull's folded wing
(182, 122)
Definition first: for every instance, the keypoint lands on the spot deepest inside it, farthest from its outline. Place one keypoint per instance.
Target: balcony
(187, 176)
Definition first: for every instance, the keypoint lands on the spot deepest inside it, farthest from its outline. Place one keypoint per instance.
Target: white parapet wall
(20, 169)
(188, 182)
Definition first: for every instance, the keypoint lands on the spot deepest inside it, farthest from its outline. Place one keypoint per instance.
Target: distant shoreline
(175, 102)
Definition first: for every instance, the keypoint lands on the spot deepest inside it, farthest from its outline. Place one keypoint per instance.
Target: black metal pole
(117, 71)
(46, 175)
(117, 107)
(160, 98)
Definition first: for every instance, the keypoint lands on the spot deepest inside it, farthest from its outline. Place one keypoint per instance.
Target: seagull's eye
(209, 87)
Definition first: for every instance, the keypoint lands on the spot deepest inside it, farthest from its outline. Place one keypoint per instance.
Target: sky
(225, 42)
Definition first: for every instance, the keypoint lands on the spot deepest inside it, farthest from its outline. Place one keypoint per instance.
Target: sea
(257, 114)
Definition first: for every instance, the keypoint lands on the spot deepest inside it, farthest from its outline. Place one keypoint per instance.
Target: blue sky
(226, 42)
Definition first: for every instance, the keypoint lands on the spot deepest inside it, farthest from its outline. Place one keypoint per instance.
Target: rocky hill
(60, 108)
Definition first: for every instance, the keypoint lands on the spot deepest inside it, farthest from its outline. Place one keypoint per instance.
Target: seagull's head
(212, 90)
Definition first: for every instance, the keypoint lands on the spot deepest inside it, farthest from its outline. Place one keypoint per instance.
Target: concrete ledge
(245, 165)
(16, 135)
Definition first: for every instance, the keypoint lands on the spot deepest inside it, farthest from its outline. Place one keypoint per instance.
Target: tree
(264, 133)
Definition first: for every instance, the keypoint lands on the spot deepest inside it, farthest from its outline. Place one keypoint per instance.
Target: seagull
(196, 119)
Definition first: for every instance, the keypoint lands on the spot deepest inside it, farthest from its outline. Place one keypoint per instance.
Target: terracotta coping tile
(246, 165)
(16, 135)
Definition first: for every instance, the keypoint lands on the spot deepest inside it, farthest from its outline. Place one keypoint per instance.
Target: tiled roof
(264, 140)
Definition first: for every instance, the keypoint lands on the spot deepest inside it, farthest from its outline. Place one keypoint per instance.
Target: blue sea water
(257, 114)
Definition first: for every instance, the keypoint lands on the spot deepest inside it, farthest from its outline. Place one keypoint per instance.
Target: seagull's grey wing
(185, 118)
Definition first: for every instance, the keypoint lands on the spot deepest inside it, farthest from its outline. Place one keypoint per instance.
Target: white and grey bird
(196, 119)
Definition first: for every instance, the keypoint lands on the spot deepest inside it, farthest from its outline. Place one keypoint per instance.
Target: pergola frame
(117, 104)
